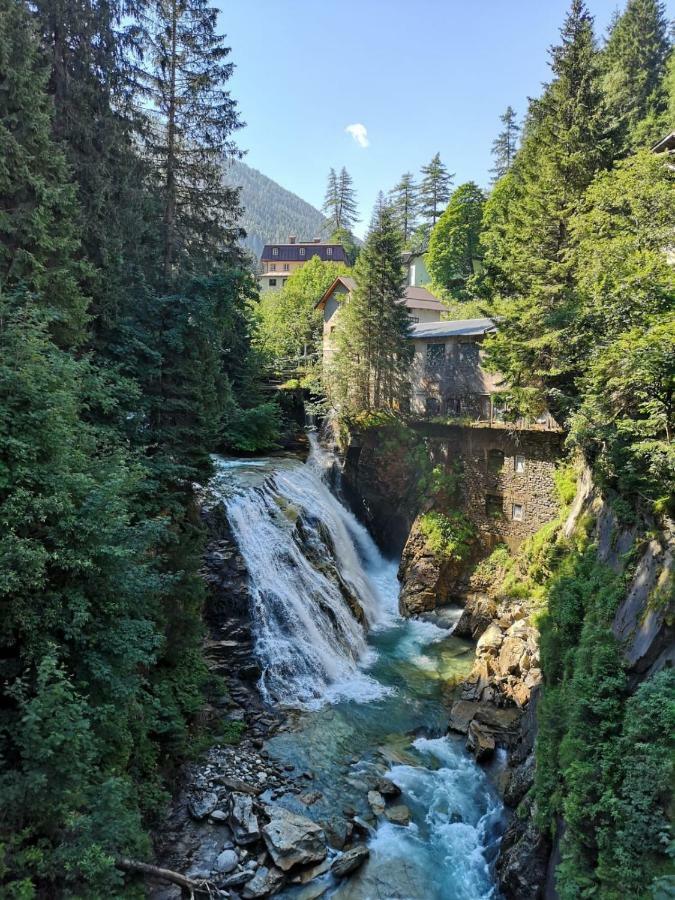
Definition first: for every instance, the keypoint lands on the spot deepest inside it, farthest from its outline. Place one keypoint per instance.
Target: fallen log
(141, 868)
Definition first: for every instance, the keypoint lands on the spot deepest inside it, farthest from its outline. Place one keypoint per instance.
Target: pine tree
(434, 191)
(38, 210)
(454, 242)
(340, 201)
(194, 119)
(405, 203)
(506, 144)
(567, 142)
(634, 64)
(373, 354)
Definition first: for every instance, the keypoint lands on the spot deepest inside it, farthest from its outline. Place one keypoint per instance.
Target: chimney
(316, 241)
(292, 239)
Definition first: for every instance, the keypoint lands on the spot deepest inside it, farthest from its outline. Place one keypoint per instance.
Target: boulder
(200, 805)
(350, 861)
(511, 652)
(480, 741)
(387, 788)
(461, 714)
(311, 872)
(266, 881)
(399, 814)
(226, 862)
(376, 801)
(292, 839)
(243, 820)
(490, 641)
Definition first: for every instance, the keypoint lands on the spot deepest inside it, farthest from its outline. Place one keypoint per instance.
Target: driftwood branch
(141, 868)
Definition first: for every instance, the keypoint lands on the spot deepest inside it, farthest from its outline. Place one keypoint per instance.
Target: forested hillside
(270, 212)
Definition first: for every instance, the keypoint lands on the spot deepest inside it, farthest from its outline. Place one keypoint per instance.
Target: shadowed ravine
(369, 696)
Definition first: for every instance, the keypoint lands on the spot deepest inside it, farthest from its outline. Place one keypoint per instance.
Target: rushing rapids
(369, 685)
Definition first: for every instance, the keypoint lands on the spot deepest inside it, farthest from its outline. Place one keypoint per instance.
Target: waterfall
(317, 583)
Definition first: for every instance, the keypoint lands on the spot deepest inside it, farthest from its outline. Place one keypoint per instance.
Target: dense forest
(126, 359)
(269, 211)
(133, 346)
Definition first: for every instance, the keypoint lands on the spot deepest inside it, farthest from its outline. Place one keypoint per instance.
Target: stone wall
(506, 476)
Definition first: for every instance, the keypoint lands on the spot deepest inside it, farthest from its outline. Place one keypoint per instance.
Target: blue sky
(422, 77)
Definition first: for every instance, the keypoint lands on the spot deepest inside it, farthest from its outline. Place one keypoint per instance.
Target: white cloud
(360, 134)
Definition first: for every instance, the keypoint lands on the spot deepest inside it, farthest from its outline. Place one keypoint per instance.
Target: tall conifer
(405, 204)
(434, 191)
(373, 347)
(506, 144)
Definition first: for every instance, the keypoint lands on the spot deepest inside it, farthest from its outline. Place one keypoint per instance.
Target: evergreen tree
(506, 144)
(373, 353)
(404, 201)
(38, 210)
(434, 191)
(634, 64)
(194, 118)
(454, 243)
(567, 142)
(340, 201)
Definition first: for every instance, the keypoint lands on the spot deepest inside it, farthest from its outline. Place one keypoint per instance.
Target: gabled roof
(291, 252)
(455, 328)
(414, 297)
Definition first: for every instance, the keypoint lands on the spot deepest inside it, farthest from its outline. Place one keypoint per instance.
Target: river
(365, 699)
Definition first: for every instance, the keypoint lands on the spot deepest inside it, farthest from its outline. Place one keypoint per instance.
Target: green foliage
(289, 332)
(253, 430)
(454, 242)
(448, 535)
(434, 191)
(340, 204)
(405, 203)
(604, 757)
(506, 144)
(370, 367)
(634, 64)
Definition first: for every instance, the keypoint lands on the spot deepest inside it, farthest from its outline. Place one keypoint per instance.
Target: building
(666, 145)
(278, 261)
(416, 268)
(422, 306)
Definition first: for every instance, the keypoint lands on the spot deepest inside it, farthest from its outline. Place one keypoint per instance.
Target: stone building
(506, 484)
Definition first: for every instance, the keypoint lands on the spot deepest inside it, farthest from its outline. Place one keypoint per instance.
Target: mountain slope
(271, 213)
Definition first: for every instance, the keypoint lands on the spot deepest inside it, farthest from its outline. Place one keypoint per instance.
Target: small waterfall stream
(369, 685)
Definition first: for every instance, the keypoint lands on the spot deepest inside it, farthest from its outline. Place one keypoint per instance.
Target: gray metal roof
(455, 328)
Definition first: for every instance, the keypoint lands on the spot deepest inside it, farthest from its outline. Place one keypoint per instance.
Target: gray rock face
(200, 805)
(264, 882)
(376, 801)
(227, 862)
(243, 821)
(292, 839)
(350, 861)
(387, 788)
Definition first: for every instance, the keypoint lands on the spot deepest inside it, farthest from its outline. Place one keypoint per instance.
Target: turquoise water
(361, 703)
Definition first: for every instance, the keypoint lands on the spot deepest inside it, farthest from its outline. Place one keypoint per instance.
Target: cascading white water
(299, 542)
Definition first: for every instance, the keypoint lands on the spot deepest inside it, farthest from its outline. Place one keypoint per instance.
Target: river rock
(490, 641)
(387, 788)
(399, 814)
(350, 861)
(376, 801)
(200, 805)
(292, 839)
(311, 872)
(227, 862)
(266, 881)
(480, 741)
(243, 820)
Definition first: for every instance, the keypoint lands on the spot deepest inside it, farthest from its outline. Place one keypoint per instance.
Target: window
(517, 512)
(329, 251)
(453, 406)
(332, 329)
(414, 319)
(286, 267)
(519, 464)
(301, 251)
(469, 352)
(275, 251)
(273, 267)
(412, 276)
(494, 505)
(435, 356)
(495, 461)
(433, 407)
(272, 282)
